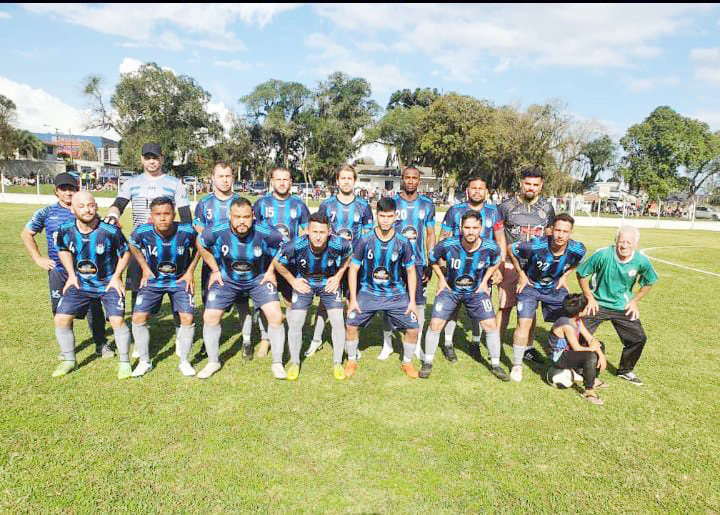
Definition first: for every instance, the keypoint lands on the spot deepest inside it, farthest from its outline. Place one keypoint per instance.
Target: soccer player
(236, 253)
(165, 251)
(543, 265)
(471, 261)
(350, 217)
(607, 280)
(377, 283)
(51, 218)
(491, 228)
(314, 265)
(414, 219)
(525, 216)
(94, 254)
(288, 214)
(566, 351)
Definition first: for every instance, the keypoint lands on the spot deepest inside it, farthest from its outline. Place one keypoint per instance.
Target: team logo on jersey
(293, 213)
(257, 251)
(241, 267)
(410, 233)
(381, 276)
(394, 256)
(632, 272)
(488, 223)
(166, 267)
(86, 268)
(464, 283)
(356, 217)
(542, 214)
(345, 234)
(421, 214)
(100, 248)
(283, 230)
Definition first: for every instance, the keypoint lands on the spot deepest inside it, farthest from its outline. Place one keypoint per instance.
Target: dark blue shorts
(149, 299)
(75, 302)
(57, 277)
(303, 301)
(393, 307)
(552, 303)
(478, 305)
(222, 297)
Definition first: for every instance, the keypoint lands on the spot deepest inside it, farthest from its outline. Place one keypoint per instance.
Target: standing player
(491, 228)
(607, 280)
(165, 251)
(471, 261)
(526, 216)
(414, 219)
(376, 271)
(95, 254)
(543, 265)
(51, 218)
(237, 253)
(288, 214)
(350, 217)
(314, 264)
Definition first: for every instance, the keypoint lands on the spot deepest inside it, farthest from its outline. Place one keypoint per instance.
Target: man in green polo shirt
(607, 280)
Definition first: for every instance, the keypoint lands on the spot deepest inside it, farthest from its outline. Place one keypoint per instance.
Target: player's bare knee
(139, 318)
(411, 335)
(186, 319)
(273, 314)
(212, 316)
(351, 332)
(63, 321)
(437, 324)
(488, 325)
(116, 322)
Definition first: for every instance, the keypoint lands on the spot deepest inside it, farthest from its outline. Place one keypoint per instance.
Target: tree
(28, 144)
(599, 155)
(419, 98)
(240, 149)
(153, 104)
(401, 129)
(8, 118)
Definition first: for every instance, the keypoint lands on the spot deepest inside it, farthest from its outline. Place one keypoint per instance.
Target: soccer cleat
(278, 371)
(425, 370)
(350, 368)
(385, 353)
(500, 374)
(338, 372)
(293, 372)
(410, 370)
(209, 370)
(630, 376)
(263, 348)
(124, 370)
(516, 373)
(474, 351)
(104, 351)
(449, 353)
(64, 368)
(533, 356)
(142, 368)
(135, 352)
(247, 351)
(186, 369)
(314, 347)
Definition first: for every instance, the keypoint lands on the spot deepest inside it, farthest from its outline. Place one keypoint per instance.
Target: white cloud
(4, 15)
(129, 65)
(711, 55)
(707, 64)
(650, 84)
(712, 118)
(226, 115)
(235, 64)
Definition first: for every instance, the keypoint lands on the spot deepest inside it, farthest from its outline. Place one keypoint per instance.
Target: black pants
(630, 332)
(583, 360)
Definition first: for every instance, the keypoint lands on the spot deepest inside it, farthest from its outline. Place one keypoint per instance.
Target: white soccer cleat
(142, 368)
(385, 353)
(209, 370)
(278, 371)
(186, 369)
(314, 347)
(516, 373)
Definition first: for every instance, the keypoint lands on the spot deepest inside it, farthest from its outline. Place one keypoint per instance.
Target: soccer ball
(560, 377)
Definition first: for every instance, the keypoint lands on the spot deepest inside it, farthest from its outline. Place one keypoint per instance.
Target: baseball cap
(65, 179)
(152, 148)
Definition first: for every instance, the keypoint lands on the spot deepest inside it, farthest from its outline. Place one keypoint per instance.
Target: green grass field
(460, 441)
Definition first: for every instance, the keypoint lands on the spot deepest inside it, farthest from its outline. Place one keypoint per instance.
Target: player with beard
(95, 254)
(377, 284)
(414, 219)
(314, 265)
(492, 228)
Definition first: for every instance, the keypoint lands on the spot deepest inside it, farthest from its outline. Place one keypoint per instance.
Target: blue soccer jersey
(489, 215)
(542, 267)
(242, 261)
(465, 270)
(168, 258)
(413, 219)
(383, 264)
(288, 216)
(302, 261)
(50, 218)
(349, 221)
(212, 211)
(95, 255)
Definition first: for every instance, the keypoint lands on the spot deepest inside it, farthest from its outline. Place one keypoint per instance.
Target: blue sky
(611, 64)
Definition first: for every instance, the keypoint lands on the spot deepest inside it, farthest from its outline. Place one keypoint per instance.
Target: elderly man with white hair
(607, 280)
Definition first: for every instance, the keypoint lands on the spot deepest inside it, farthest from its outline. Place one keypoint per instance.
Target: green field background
(459, 442)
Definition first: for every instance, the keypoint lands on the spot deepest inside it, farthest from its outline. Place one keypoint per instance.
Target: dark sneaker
(475, 351)
(449, 352)
(247, 352)
(426, 370)
(533, 356)
(500, 374)
(630, 376)
(104, 351)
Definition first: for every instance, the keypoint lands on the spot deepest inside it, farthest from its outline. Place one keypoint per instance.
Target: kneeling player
(319, 262)
(543, 265)
(236, 253)
(165, 251)
(95, 254)
(471, 261)
(378, 260)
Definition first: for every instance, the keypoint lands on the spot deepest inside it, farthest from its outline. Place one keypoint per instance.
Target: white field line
(644, 253)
